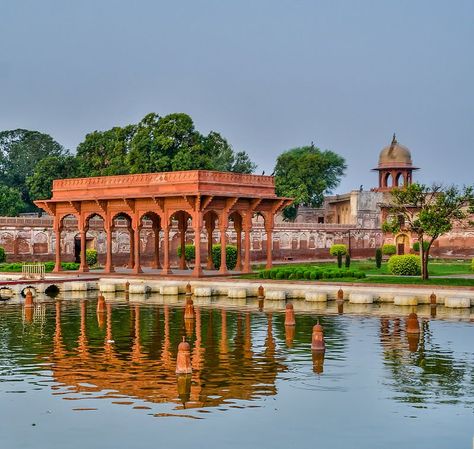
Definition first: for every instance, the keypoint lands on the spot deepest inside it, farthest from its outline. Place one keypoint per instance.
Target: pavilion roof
(164, 184)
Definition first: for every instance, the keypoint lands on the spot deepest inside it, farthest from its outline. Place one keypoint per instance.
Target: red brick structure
(199, 199)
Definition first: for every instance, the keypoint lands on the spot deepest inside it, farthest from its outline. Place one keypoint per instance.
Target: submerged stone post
(317, 339)
(183, 360)
(412, 325)
(290, 315)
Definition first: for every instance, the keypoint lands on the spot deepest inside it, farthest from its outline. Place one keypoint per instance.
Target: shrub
(405, 265)
(472, 264)
(416, 246)
(16, 267)
(189, 252)
(231, 256)
(280, 275)
(338, 251)
(3, 256)
(348, 260)
(91, 257)
(378, 257)
(389, 250)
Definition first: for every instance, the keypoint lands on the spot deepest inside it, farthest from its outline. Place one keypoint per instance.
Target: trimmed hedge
(405, 265)
(3, 256)
(16, 267)
(310, 273)
(189, 252)
(338, 250)
(91, 257)
(472, 264)
(378, 257)
(231, 256)
(389, 250)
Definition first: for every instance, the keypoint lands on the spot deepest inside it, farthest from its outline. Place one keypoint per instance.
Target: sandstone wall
(26, 239)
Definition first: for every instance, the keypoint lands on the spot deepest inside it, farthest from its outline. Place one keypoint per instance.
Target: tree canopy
(30, 160)
(158, 144)
(428, 213)
(20, 151)
(307, 174)
(11, 203)
(40, 183)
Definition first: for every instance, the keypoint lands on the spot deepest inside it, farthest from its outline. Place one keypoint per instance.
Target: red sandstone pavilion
(196, 198)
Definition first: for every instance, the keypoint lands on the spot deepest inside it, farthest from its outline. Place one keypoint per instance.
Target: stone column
(136, 246)
(182, 226)
(57, 234)
(131, 259)
(156, 253)
(223, 221)
(166, 248)
(269, 231)
(210, 226)
(83, 266)
(238, 231)
(109, 268)
(248, 231)
(197, 224)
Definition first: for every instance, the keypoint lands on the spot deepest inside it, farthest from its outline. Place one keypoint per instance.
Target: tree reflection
(421, 371)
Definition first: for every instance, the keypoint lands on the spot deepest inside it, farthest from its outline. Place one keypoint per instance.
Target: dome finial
(394, 139)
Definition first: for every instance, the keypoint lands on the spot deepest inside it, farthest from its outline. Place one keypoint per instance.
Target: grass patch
(382, 276)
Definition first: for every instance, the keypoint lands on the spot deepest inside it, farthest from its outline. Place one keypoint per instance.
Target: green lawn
(436, 268)
(382, 276)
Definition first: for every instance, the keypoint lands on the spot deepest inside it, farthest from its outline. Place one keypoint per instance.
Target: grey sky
(269, 75)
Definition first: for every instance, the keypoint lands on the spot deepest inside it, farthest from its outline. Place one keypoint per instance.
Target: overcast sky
(268, 75)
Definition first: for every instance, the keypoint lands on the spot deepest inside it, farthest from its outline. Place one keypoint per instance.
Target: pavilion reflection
(227, 365)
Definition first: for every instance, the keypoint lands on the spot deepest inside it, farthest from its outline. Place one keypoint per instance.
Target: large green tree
(307, 174)
(158, 144)
(47, 170)
(428, 213)
(11, 203)
(20, 151)
(105, 153)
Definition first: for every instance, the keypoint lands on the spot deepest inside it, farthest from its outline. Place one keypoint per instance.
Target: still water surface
(72, 378)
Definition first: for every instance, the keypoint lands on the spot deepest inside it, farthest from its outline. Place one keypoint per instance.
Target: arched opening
(236, 219)
(123, 240)
(403, 244)
(388, 180)
(96, 238)
(148, 239)
(182, 220)
(400, 180)
(68, 229)
(210, 220)
(52, 291)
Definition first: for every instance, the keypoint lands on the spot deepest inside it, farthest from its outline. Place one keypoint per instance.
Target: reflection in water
(129, 364)
(422, 372)
(127, 352)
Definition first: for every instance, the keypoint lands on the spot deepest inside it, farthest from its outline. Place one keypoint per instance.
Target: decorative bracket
(191, 200)
(160, 202)
(130, 203)
(76, 206)
(230, 203)
(102, 205)
(254, 204)
(206, 202)
(50, 208)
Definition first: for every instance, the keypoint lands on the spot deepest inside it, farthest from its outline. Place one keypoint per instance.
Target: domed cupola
(395, 166)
